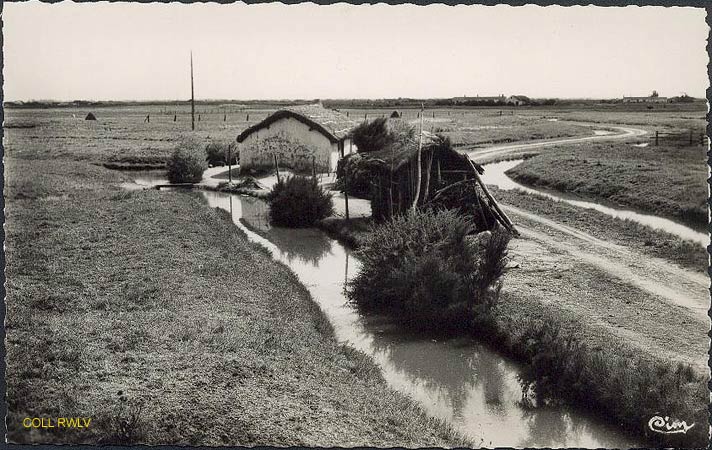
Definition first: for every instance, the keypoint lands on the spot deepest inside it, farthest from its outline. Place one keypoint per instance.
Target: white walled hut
(301, 137)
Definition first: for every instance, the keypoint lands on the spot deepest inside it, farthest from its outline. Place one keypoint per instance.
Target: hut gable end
(334, 125)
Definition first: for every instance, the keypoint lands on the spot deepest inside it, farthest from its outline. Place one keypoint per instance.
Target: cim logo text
(664, 425)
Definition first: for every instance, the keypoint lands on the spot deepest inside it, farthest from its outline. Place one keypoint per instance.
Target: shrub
(379, 133)
(187, 163)
(423, 269)
(354, 177)
(216, 153)
(298, 202)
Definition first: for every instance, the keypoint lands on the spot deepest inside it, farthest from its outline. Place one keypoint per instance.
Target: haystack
(448, 179)
(90, 116)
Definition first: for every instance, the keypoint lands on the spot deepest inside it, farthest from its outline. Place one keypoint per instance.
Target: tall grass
(424, 270)
(628, 389)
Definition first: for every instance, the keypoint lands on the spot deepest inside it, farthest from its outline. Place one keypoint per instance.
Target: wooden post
(656, 137)
(507, 223)
(229, 164)
(225, 118)
(480, 207)
(690, 137)
(276, 166)
(440, 178)
(247, 119)
(175, 117)
(427, 176)
(314, 167)
(346, 200)
(192, 95)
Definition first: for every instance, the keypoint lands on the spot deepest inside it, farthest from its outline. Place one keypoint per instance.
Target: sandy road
(625, 132)
(659, 278)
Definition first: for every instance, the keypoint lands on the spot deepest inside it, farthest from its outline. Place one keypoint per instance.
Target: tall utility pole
(192, 95)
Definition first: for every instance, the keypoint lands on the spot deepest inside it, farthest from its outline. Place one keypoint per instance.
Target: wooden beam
(506, 222)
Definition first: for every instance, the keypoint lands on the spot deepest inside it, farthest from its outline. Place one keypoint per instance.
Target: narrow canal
(459, 380)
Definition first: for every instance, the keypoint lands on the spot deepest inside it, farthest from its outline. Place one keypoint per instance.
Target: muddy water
(495, 175)
(458, 380)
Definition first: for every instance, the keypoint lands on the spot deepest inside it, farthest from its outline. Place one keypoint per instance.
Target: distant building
(518, 100)
(649, 99)
(302, 137)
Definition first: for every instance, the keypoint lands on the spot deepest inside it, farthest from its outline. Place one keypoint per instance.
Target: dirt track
(500, 150)
(649, 303)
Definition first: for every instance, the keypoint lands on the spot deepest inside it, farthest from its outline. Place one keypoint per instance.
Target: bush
(379, 133)
(354, 177)
(298, 202)
(217, 153)
(187, 163)
(423, 269)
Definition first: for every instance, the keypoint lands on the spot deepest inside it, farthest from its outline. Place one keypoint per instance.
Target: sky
(124, 51)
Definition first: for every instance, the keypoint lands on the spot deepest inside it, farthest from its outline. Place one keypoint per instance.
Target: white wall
(295, 144)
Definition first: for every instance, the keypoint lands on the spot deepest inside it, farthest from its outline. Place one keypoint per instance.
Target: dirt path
(655, 276)
(620, 298)
(625, 132)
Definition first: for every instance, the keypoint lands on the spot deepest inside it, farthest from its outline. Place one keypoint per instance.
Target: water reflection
(307, 245)
(459, 380)
(495, 175)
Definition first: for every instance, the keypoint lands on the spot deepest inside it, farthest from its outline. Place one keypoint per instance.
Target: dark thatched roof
(329, 122)
(404, 147)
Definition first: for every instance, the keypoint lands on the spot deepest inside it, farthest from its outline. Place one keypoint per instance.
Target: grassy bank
(664, 180)
(150, 313)
(615, 380)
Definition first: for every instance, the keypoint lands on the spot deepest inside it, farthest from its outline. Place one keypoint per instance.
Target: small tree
(187, 163)
(298, 202)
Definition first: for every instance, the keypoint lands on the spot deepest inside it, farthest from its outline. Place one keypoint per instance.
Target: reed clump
(426, 270)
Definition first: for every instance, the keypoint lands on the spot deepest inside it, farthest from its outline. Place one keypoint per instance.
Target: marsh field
(158, 315)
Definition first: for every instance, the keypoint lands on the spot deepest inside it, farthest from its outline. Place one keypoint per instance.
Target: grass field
(665, 180)
(120, 135)
(149, 313)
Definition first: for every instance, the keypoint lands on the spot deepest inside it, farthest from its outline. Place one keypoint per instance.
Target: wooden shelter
(447, 179)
